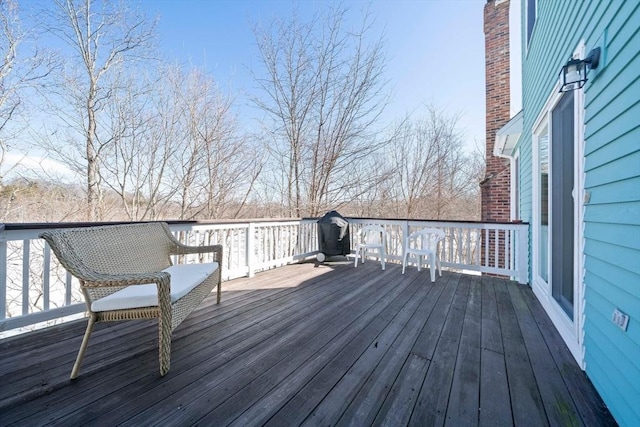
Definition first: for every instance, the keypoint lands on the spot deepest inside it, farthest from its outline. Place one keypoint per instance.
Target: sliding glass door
(562, 202)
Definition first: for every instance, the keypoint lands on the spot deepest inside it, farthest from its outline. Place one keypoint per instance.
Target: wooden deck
(305, 345)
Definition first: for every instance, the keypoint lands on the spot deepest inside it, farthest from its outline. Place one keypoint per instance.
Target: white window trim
(572, 331)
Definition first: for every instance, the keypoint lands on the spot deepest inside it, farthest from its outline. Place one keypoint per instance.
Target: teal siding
(626, 236)
(626, 144)
(620, 170)
(612, 178)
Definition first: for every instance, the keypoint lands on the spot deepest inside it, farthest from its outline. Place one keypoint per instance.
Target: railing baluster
(507, 247)
(3, 275)
(512, 240)
(468, 246)
(46, 277)
(250, 250)
(496, 245)
(486, 247)
(67, 294)
(26, 248)
(475, 250)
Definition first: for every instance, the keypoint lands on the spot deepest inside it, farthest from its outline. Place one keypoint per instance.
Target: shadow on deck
(330, 345)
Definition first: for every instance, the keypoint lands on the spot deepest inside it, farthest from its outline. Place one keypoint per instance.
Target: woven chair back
(120, 249)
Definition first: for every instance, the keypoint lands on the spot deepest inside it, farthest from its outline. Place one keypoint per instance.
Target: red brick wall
(496, 184)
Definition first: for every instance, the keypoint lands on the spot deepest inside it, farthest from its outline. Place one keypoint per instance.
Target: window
(531, 17)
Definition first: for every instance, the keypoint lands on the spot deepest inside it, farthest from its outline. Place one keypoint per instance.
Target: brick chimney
(496, 183)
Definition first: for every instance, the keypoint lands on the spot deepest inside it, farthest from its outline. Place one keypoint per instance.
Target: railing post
(250, 249)
(405, 236)
(3, 272)
(522, 254)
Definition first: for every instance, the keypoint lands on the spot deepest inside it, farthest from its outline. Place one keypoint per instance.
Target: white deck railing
(35, 289)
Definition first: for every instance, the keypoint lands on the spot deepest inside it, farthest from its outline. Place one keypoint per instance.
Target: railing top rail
(51, 225)
(357, 218)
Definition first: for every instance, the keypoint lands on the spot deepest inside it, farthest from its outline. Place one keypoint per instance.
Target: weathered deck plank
(431, 407)
(305, 345)
(386, 354)
(494, 387)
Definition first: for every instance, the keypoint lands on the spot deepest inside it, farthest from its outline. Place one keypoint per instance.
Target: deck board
(314, 345)
(559, 405)
(464, 398)
(494, 387)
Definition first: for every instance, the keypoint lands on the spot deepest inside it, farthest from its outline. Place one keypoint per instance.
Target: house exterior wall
(611, 165)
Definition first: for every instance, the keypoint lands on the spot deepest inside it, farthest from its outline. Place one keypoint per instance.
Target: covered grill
(333, 235)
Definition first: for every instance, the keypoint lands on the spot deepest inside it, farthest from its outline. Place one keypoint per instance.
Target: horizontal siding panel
(626, 16)
(614, 192)
(627, 236)
(598, 313)
(623, 290)
(625, 168)
(613, 213)
(623, 33)
(597, 20)
(601, 329)
(617, 397)
(616, 296)
(602, 93)
(624, 145)
(620, 116)
(628, 259)
(563, 36)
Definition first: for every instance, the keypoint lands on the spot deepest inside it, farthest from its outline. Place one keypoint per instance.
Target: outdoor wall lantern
(574, 73)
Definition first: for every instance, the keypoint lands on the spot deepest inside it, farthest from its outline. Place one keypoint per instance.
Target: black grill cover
(333, 234)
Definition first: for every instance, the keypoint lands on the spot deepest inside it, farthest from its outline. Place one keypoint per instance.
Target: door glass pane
(543, 226)
(562, 204)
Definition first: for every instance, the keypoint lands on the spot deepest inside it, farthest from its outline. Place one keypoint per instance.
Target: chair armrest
(94, 279)
(179, 248)
(182, 249)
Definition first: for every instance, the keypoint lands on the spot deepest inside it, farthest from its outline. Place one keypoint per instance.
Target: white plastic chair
(424, 243)
(371, 237)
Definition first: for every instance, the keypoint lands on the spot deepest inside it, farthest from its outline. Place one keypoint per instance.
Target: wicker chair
(125, 273)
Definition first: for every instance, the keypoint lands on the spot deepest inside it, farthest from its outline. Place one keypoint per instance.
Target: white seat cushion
(184, 277)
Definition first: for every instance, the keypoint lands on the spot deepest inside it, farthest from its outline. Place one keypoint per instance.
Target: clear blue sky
(435, 47)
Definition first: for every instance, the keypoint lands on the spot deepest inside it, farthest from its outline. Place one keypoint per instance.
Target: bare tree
(175, 149)
(102, 36)
(323, 92)
(433, 175)
(9, 40)
(20, 69)
(134, 165)
(215, 167)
